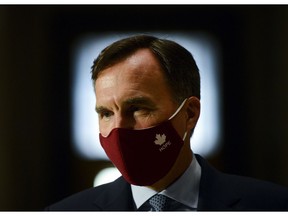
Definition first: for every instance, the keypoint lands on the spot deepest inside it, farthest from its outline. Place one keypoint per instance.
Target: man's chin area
(181, 164)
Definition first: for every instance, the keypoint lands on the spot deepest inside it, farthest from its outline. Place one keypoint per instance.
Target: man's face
(134, 94)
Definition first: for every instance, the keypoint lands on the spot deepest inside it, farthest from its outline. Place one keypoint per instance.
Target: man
(148, 102)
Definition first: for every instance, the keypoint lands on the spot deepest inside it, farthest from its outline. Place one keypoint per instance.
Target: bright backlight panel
(85, 131)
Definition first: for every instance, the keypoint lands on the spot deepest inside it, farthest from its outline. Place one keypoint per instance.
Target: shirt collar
(180, 190)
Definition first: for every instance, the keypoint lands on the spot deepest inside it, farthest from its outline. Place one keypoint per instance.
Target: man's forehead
(141, 68)
(137, 80)
(143, 57)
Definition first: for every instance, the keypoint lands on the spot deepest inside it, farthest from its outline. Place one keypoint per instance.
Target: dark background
(37, 164)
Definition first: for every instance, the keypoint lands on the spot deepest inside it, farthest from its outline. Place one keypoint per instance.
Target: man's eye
(105, 115)
(136, 110)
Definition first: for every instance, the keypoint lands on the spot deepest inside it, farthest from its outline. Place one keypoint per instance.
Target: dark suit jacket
(218, 192)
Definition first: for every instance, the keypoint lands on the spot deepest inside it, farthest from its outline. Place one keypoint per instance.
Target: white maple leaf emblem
(160, 139)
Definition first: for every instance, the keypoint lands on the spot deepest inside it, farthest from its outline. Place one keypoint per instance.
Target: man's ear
(193, 107)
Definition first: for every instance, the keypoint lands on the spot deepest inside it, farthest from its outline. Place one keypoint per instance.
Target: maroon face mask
(144, 156)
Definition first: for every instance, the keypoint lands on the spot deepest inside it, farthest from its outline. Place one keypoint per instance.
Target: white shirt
(185, 190)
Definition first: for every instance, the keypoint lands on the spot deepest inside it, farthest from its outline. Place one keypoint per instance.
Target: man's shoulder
(243, 193)
(257, 194)
(87, 200)
(250, 186)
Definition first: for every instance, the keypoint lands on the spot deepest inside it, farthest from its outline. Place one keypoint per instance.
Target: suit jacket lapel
(214, 192)
(121, 195)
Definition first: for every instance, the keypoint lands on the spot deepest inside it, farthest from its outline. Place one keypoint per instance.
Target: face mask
(144, 156)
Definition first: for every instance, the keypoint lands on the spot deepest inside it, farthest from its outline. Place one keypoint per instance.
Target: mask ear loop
(184, 137)
(179, 108)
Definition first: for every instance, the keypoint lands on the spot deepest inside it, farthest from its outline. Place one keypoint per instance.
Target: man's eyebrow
(129, 102)
(100, 109)
(139, 101)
